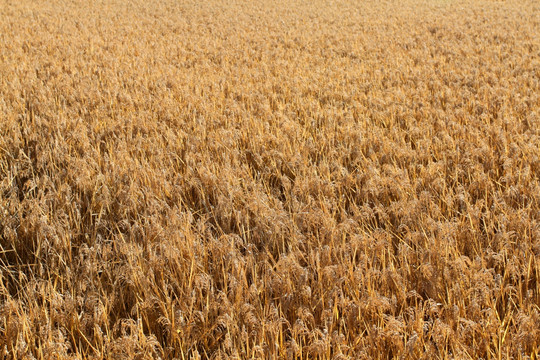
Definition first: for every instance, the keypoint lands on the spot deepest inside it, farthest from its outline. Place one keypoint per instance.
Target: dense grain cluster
(269, 179)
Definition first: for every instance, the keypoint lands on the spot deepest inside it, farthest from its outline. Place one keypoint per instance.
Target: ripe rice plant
(269, 179)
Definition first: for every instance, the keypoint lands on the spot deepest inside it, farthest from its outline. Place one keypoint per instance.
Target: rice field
(269, 179)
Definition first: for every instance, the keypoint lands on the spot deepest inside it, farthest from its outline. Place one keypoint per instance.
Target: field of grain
(269, 179)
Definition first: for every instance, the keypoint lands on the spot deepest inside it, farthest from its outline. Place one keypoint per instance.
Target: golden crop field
(269, 179)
